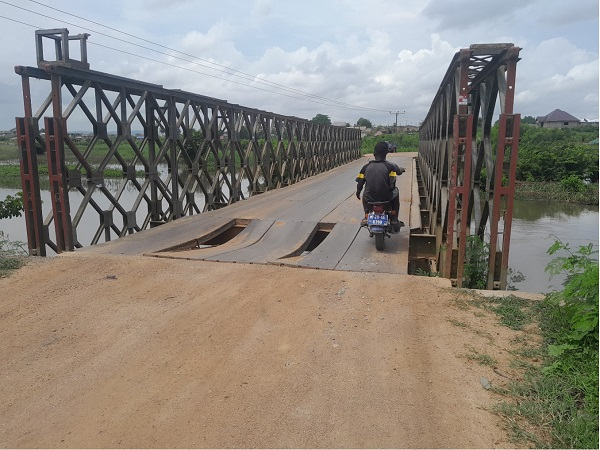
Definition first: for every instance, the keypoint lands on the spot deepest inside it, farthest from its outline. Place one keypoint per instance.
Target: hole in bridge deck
(320, 234)
(319, 237)
(220, 236)
(223, 237)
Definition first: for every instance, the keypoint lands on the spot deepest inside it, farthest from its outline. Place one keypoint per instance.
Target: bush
(555, 154)
(572, 335)
(12, 255)
(556, 405)
(11, 206)
(475, 268)
(572, 184)
(577, 305)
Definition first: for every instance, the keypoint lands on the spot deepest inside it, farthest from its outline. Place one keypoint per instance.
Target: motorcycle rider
(379, 176)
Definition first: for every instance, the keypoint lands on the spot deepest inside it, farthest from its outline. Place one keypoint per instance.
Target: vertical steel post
(59, 189)
(460, 164)
(30, 183)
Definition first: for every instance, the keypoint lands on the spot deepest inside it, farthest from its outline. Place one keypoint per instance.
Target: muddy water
(536, 226)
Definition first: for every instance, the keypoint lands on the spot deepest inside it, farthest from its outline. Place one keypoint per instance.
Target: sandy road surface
(130, 351)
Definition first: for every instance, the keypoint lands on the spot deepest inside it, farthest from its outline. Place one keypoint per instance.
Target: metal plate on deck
(280, 240)
(333, 248)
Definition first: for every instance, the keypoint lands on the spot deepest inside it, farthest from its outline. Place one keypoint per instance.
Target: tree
(364, 123)
(528, 120)
(321, 119)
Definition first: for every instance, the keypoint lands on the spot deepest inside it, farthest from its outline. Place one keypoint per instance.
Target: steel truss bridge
(195, 154)
(467, 176)
(205, 144)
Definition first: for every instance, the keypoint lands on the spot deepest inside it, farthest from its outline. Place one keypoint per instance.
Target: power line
(226, 70)
(188, 69)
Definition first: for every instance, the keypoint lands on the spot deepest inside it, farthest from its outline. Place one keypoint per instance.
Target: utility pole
(396, 126)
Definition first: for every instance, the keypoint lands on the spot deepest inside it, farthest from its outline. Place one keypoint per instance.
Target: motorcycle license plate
(377, 219)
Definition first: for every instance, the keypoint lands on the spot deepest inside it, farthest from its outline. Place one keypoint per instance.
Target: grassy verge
(552, 408)
(8, 151)
(540, 190)
(541, 407)
(553, 402)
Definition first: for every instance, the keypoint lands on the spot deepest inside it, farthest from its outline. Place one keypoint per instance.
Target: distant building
(9, 133)
(408, 129)
(557, 119)
(589, 123)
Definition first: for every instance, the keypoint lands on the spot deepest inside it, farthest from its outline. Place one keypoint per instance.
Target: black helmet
(381, 149)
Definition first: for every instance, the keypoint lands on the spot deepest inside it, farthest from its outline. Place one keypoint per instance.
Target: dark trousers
(394, 202)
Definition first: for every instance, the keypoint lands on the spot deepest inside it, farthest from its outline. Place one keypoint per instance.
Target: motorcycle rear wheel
(379, 241)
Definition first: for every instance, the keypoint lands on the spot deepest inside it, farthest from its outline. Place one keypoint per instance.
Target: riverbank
(556, 192)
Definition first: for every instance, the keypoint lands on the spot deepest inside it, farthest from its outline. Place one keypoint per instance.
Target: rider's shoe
(396, 224)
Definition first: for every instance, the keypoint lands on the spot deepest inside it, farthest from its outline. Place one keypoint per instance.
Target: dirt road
(130, 351)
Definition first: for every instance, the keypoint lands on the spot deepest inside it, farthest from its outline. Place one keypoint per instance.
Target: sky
(347, 59)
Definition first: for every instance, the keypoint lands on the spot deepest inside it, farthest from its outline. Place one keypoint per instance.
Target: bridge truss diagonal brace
(469, 180)
(194, 152)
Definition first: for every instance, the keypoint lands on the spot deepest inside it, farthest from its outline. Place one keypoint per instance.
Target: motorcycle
(379, 224)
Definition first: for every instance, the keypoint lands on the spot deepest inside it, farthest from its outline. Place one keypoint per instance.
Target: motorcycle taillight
(378, 209)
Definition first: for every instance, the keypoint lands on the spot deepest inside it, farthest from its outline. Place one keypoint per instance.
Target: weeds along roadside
(13, 255)
(553, 403)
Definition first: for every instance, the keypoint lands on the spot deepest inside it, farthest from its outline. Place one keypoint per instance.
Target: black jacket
(380, 180)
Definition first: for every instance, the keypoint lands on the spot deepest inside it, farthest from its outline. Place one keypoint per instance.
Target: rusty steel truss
(191, 154)
(468, 174)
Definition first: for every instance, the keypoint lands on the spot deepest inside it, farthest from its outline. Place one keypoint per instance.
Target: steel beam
(469, 181)
(208, 146)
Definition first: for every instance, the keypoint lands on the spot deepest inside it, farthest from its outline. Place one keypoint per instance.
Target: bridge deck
(277, 226)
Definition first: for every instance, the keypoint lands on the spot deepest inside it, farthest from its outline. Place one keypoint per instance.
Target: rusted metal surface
(30, 181)
(179, 152)
(469, 180)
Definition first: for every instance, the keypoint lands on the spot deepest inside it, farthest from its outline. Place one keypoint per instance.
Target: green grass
(10, 176)
(555, 192)
(8, 151)
(550, 405)
(12, 255)
(483, 359)
(560, 411)
(514, 312)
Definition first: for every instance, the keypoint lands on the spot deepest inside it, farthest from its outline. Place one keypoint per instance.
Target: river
(536, 226)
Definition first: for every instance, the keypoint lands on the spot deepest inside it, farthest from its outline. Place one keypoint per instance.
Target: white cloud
(375, 54)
